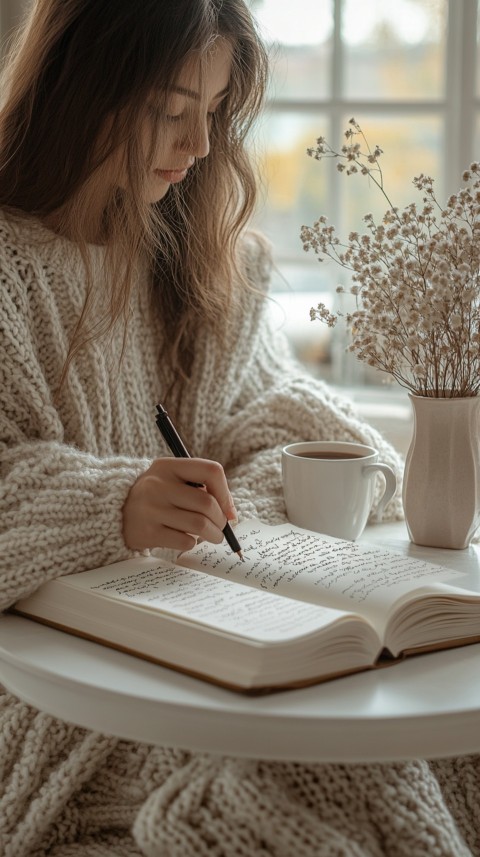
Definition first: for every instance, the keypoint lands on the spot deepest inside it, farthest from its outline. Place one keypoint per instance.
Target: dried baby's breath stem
(415, 277)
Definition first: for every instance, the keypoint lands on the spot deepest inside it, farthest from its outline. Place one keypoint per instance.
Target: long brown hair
(78, 67)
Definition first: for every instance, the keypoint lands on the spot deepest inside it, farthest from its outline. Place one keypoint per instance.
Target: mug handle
(390, 486)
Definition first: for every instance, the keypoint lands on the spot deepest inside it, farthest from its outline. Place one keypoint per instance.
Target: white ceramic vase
(441, 490)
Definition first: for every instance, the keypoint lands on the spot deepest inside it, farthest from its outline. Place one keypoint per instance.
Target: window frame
(458, 111)
(458, 107)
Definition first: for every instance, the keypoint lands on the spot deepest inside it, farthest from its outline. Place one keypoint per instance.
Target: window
(409, 72)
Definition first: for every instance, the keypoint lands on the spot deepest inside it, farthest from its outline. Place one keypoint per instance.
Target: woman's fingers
(202, 471)
(163, 510)
(166, 537)
(188, 509)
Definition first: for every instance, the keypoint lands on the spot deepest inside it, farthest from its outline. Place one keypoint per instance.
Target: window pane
(295, 188)
(301, 41)
(394, 50)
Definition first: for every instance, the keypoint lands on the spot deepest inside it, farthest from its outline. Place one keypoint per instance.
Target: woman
(127, 278)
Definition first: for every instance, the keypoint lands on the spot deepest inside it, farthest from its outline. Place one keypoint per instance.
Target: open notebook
(302, 608)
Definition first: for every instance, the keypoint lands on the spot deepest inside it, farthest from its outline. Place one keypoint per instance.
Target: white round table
(428, 706)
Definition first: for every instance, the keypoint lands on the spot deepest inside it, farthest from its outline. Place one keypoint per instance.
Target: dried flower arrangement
(415, 277)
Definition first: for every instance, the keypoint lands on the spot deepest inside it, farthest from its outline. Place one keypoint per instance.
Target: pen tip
(240, 554)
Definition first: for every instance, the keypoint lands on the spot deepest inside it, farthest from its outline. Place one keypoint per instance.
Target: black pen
(177, 446)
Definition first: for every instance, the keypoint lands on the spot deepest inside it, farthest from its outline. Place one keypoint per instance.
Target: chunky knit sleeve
(277, 402)
(60, 507)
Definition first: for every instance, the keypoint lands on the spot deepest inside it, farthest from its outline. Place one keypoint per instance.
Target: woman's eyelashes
(177, 117)
(160, 113)
(157, 114)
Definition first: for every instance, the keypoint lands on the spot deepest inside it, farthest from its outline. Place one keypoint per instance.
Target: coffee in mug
(329, 486)
(336, 456)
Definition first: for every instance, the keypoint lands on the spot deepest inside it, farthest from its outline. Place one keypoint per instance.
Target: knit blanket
(104, 797)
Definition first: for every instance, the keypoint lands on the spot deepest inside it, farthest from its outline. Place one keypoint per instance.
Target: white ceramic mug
(329, 486)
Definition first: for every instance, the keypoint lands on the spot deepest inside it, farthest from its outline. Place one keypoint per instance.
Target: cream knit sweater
(66, 468)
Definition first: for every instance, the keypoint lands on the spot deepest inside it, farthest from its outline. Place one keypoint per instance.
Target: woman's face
(172, 141)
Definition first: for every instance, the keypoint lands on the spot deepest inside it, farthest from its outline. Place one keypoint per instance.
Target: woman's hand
(162, 510)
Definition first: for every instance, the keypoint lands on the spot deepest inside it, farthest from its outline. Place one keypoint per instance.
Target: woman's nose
(197, 141)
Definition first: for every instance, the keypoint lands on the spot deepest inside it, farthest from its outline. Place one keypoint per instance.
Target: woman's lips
(172, 176)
